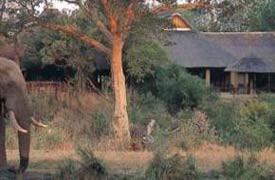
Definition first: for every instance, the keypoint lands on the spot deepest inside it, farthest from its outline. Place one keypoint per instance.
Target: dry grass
(209, 156)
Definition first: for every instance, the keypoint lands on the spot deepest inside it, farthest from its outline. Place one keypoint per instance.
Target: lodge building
(236, 62)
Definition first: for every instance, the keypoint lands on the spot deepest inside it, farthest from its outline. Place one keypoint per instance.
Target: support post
(269, 87)
(208, 77)
(234, 80)
(246, 81)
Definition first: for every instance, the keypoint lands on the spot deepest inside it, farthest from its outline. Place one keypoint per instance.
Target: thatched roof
(243, 44)
(191, 50)
(252, 64)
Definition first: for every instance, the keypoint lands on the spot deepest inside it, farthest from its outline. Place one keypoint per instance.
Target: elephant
(16, 107)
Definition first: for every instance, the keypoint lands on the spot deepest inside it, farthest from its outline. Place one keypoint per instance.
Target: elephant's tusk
(15, 123)
(39, 124)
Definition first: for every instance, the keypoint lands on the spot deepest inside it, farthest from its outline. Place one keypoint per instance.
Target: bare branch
(165, 8)
(76, 33)
(93, 14)
(110, 16)
(130, 16)
(76, 2)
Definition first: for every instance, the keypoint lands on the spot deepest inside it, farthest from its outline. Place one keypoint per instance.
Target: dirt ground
(208, 156)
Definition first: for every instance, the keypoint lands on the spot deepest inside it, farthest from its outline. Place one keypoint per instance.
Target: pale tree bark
(120, 118)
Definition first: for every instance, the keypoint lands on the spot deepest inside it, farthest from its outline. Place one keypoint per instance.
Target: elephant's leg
(3, 156)
(24, 148)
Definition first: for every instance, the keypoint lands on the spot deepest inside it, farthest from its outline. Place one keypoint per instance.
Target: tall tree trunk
(120, 118)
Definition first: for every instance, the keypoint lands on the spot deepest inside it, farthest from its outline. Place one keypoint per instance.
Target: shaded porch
(252, 83)
(214, 77)
(252, 75)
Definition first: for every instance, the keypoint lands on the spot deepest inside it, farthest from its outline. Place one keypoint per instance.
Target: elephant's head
(16, 107)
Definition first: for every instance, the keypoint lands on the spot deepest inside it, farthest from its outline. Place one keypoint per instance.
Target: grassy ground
(209, 157)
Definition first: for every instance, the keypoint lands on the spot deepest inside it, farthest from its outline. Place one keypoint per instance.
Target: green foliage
(44, 48)
(180, 90)
(88, 168)
(192, 132)
(251, 128)
(262, 19)
(226, 16)
(163, 168)
(176, 88)
(221, 115)
(245, 124)
(143, 59)
(143, 107)
(68, 170)
(242, 169)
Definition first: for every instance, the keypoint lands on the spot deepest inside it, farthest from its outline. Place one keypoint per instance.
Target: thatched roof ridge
(191, 50)
(252, 64)
(243, 44)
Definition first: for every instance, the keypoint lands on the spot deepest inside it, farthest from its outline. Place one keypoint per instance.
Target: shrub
(242, 169)
(88, 125)
(68, 170)
(193, 132)
(143, 107)
(251, 127)
(245, 124)
(88, 168)
(173, 167)
(221, 116)
(180, 90)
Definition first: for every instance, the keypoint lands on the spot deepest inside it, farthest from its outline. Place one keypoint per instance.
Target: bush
(88, 168)
(180, 90)
(173, 167)
(88, 125)
(245, 124)
(251, 127)
(143, 107)
(221, 116)
(242, 169)
(193, 132)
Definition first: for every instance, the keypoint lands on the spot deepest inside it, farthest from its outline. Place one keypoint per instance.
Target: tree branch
(76, 33)
(130, 16)
(166, 8)
(92, 14)
(76, 2)
(110, 16)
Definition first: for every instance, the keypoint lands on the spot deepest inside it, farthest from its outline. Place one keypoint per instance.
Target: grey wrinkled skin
(13, 97)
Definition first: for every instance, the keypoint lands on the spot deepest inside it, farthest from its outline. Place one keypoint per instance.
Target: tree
(114, 20)
(230, 15)
(263, 18)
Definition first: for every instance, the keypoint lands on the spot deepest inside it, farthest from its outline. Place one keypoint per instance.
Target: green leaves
(263, 19)
(143, 59)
